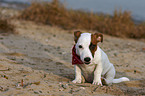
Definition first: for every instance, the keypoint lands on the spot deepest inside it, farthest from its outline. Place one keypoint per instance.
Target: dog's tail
(120, 80)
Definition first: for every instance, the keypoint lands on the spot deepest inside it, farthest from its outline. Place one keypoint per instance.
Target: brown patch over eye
(95, 38)
(93, 44)
(93, 48)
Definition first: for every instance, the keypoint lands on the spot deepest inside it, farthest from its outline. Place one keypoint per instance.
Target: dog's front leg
(97, 75)
(78, 78)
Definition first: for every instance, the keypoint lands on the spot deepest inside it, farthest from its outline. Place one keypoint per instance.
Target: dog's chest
(87, 68)
(88, 71)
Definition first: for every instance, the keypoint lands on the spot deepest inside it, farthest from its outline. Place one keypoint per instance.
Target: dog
(92, 60)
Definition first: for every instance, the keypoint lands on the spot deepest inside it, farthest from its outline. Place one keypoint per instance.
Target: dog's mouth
(87, 63)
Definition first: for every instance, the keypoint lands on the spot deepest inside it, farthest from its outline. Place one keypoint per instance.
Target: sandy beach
(37, 62)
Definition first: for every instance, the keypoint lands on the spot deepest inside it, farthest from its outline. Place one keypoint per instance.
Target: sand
(37, 62)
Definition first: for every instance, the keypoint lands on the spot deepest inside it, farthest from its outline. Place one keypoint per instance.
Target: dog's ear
(97, 37)
(77, 34)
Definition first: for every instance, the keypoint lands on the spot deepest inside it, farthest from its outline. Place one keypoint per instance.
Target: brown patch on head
(95, 38)
(77, 34)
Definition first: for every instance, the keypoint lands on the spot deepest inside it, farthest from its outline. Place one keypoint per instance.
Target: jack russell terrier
(90, 62)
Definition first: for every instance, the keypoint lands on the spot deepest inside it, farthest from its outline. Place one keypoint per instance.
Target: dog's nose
(87, 59)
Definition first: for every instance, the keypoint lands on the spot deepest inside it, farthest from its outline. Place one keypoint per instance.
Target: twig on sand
(5, 69)
(22, 83)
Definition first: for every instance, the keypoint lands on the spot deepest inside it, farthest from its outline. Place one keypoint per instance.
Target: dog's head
(86, 45)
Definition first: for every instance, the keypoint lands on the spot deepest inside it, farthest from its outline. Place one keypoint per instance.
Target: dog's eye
(80, 46)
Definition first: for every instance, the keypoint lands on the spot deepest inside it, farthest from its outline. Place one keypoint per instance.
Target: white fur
(85, 42)
(100, 64)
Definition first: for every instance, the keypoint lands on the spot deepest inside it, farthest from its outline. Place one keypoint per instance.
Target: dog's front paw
(97, 82)
(77, 81)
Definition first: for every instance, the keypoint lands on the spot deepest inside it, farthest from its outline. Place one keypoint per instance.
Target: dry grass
(56, 14)
(6, 26)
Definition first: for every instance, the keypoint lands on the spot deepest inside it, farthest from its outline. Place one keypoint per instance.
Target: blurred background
(120, 18)
(136, 7)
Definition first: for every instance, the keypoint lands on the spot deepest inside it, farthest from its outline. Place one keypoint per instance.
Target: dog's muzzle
(87, 60)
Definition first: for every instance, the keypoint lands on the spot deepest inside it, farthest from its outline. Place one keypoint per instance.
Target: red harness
(75, 58)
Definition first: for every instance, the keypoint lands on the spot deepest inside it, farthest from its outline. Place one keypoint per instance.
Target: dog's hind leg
(109, 76)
